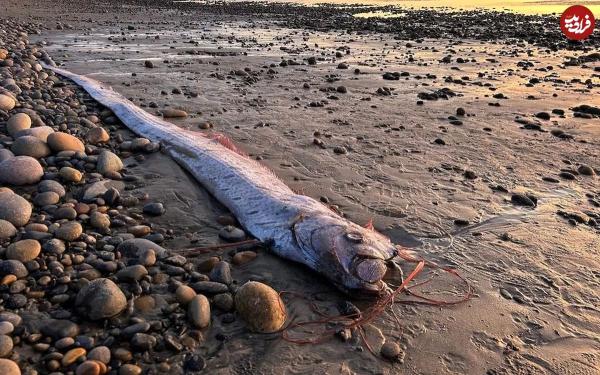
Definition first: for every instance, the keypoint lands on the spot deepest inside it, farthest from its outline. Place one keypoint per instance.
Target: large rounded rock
(5, 154)
(108, 162)
(97, 135)
(13, 267)
(18, 122)
(59, 141)
(134, 247)
(6, 345)
(6, 102)
(7, 230)
(24, 250)
(101, 299)
(51, 185)
(14, 208)
(40, 132)
(20, 170)
(30, 146)
(199, 311)
(69, 231)
(8, 367)
(260, 306)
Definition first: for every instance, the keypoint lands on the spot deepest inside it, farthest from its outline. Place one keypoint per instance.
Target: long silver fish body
(297, 227)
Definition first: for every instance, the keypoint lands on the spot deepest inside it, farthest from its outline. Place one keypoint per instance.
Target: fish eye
(354, 237)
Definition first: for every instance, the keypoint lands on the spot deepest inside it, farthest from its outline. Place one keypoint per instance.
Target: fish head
(353, 257)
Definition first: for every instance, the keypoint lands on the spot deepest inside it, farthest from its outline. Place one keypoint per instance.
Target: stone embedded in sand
(135, 246)
(97, 135)
(108, 162)
(6, 102)
(199, 311)
(243, 257)
(101, 299)
(586, 170)
(260, 306)
(7, 230)
(20, 170)
(24, 250)
(59, 141)
(8, 367)
(18, 122)
(69, 231)
(391, 351)
(30, 146)
(14, 208)
(174, 113)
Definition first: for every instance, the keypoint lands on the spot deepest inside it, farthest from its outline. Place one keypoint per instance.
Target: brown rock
(59, 141)
(18, 122)
(24, 250)
(260, 306)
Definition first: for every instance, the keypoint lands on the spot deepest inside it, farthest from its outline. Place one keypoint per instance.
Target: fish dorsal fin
(226, 142)
(369, 224)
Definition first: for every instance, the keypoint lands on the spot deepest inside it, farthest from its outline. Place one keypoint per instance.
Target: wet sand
(378, 155)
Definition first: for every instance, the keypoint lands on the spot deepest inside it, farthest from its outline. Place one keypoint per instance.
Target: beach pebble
(129, 369)
(30, 146)
(100, 354)
(51, 185)
(260, 306)
(40, 132)
(586, 170)
(5, 154)
(154, 209)
(199, 311)
(45, 199)
(69, 174)
(184, 294)
(132, 273)
(24, 250)
(174, 113)
(6, 328)
(88, 368)
(18, 122)
(8, 367)
(69, 231)
(108, 162)
(59, 141)
(223, 301)
(133, 247)
(97, 135)
(72, 355)
(7, 230)
(13, 267)
(59, 328)
(221, 273)
(243, 257)
(143, 341)
(14, 208)
(99, 220)
(232, 234)
(6, 345)
(20, 170)
(101, 299)
(391, 351)
(6, 103)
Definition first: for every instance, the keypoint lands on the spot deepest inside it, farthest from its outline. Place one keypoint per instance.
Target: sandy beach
(475, 148)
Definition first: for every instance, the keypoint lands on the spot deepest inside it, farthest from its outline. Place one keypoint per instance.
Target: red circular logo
(577, 22)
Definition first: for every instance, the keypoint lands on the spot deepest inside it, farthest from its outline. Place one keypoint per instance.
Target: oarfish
(295, 226)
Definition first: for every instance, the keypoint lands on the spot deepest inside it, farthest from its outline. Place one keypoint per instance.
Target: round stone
(108, 162)
(57, 329)
(88, 368)
(20, 170)
(24, 250)
(232, 234)
(391, 351)
(184, 294)
(59, 141)
(13, 267)
(51, 185)
(243, 257)
(101, 299)
(30, 146)
(6, 345)
(69, 231)
(128, 370)
(69, 174)
(8, 367)
(40, 132)
(199, 311)
(154, 209)
(6, 102)
(46, 199)
(135, 246)
(7, 230)
(5, 154)
(72, 355)
(14, 208)
(6, 328)
(132, 273)
(18, 122)
(100, 354)
(174, 113)
(97, 135)
(260, 306)
(99, 220)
